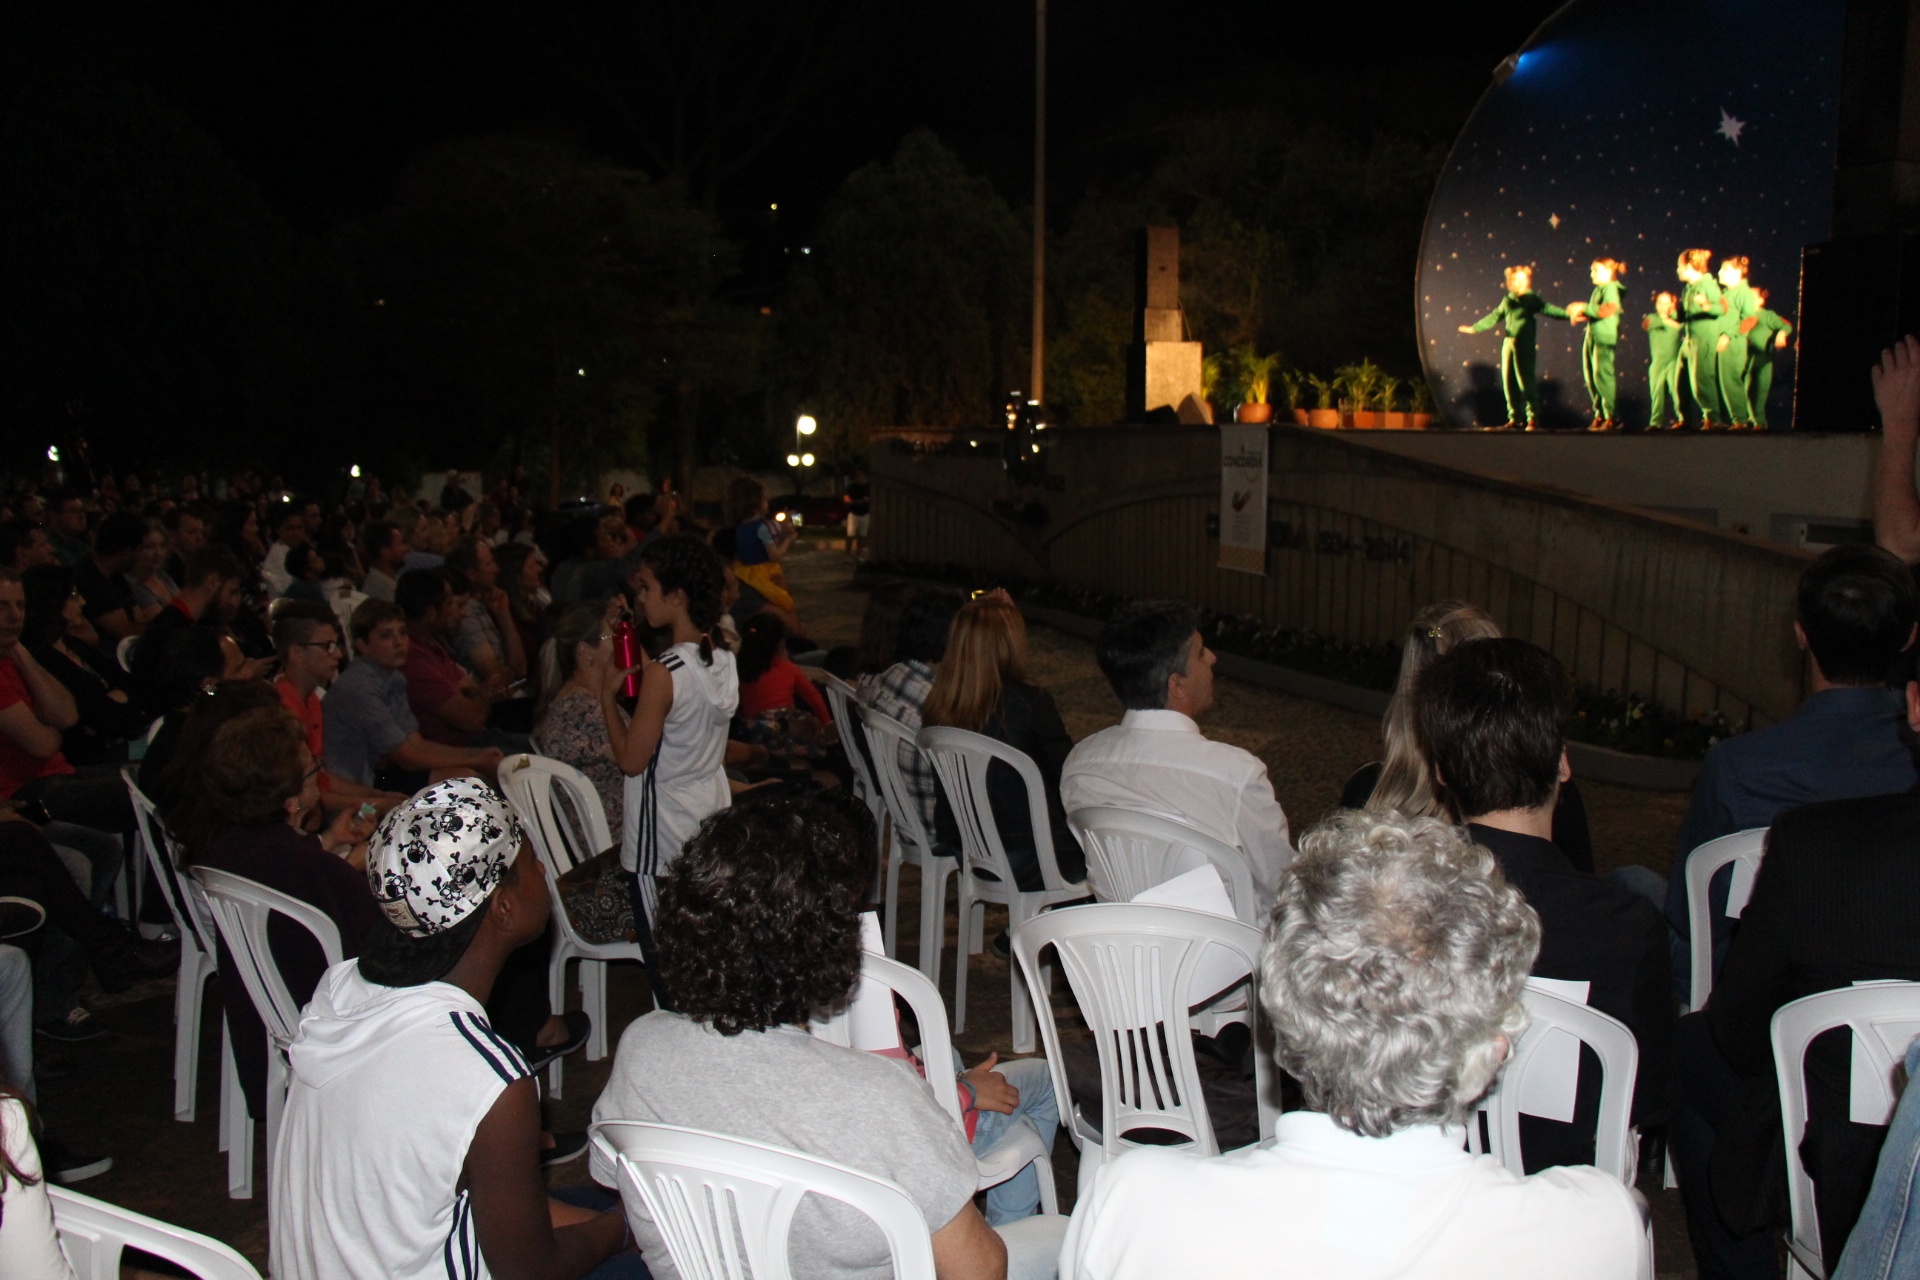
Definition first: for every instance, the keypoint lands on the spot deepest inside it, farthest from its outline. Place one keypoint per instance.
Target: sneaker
(119, 960)
(65, 1166)
(566, 1147)
(77, 1027)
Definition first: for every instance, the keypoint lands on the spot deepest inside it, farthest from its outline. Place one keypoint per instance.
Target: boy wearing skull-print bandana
(410, 1141)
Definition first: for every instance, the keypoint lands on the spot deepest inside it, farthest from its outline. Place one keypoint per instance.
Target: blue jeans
(1886, 1240)
(625, 1265)
(1019, 1196)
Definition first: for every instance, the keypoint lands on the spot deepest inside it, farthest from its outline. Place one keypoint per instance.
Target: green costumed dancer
(1732, 345)
(1518, 312)
(1701, 309)
(1769, 334)
(1601, 313)
(1664, 335)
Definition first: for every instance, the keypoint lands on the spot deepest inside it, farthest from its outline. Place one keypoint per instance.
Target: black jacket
(1570, 832)
(1028, 721)
(1837, 901)
(1593, 931)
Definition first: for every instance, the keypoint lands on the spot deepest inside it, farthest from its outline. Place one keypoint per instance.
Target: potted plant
(1419, 405)
(1293, 384)
(1256, 380)
(1391, 417)
(1323, 414)
(1362, 383)
(1214, 379)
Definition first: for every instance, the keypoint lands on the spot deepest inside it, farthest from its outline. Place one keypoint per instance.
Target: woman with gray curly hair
(1392, 973)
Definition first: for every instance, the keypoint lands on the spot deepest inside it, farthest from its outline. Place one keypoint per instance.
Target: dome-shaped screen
(1630, 131)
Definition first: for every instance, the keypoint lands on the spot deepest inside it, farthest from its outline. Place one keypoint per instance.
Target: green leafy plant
(1390, 394)
(1362, 384)
(1291, 383)
(1323, 391)
(1256, 373)
(1420, 396)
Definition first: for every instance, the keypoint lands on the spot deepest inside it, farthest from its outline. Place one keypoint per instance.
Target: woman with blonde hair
(982, 686)
(1403, 781)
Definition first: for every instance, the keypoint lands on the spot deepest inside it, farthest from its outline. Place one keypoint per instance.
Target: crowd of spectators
(321, 697)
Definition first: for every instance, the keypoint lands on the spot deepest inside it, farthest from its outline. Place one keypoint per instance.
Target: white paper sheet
(1201, 889)
(1553, 1072)
(1870, 1097)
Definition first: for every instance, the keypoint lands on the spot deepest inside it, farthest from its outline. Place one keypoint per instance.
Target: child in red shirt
(769, 680)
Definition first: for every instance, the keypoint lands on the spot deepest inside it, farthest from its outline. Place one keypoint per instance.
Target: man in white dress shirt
(1157, 761)
(1392, 975)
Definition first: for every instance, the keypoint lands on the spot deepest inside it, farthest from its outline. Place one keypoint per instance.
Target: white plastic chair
(93, 1233)
(1884, 1017)
(197, 949)
(242, 907)
(1132, 967)
(562, 843)
(841, 698)
(1129, 852)
(962, 761)
(912, 843)
(724, 1206)
(1616, 1147)
(1020, 1146)
(123, 652)
(1747, 847)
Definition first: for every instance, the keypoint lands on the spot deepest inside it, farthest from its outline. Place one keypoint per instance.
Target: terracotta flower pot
(1366, 419)
(1253, 413)
(1327, 419)
(1303, 416)
(1418, 421)
(1395, 420)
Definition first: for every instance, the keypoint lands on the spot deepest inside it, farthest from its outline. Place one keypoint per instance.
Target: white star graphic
(1730, 127)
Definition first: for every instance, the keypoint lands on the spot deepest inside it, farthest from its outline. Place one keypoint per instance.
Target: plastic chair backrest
(564, 838)
(93, 1233)
(885, 737)
(929, 1011)
(1131, 967)
(841, 699)
(1883, 1017)
(724, 1206)
(962, 760)
(1748, 846)
(150, 834)
(123, 652)
(1129, 852)
(1614, 1149)
(242, 907)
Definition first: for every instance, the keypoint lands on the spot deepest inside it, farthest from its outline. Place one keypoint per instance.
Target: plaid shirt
(901, 691)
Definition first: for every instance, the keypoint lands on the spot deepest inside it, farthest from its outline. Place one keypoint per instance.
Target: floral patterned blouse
(575, 733)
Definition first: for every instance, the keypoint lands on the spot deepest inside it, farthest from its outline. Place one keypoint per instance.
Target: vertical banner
(1243, 497)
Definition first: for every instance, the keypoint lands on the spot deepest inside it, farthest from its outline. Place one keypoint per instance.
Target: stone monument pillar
(1163, 368)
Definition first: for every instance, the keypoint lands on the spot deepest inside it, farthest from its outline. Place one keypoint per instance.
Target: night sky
(1632, 131)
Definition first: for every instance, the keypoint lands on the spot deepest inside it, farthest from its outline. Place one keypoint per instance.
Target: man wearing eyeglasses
(306, 635)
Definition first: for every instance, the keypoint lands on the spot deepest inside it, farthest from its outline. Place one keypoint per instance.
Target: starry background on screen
(1631, 130)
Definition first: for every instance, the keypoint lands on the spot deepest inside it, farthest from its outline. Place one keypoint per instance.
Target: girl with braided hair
(673, 749)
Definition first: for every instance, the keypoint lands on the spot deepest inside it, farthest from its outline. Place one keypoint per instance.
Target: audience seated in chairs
(1834, 903)
(211, 596)
(372, 737)
(1156, 760)
(147, 580)
(1402, 781)
(1885, 1244)
(24, 546)
(306, 636)
(100, 577)
(1392, 975)
(448, 703)
(1855, 615)
(406, 1103)
(1491, 717)
(982, 686)
(578, 724)
(383, 551)
(486, 641)
(901, 689)
(737, 1058)
(65, 644)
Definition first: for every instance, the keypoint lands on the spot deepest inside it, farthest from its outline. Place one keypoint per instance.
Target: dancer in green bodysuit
(1740, 306)
(1518, 312)
(1769, 334)
(1701, 310)
(1664, 335)
(1601, 313)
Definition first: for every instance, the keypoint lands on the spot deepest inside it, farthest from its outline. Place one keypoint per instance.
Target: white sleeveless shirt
(687, 780)
(388, 1086)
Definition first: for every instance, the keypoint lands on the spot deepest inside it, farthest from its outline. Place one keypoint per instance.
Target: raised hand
(1896, 386)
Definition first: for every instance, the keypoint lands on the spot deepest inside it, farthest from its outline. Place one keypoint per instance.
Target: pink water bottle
(626, 651)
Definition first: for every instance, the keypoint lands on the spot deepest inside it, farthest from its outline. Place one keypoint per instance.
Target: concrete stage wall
(1772, 485)
(1696, 619)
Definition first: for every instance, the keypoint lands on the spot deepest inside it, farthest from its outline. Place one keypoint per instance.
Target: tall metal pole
(1038, 379)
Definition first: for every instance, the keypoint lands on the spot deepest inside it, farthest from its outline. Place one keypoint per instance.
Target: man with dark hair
(67, 526)
(449, 704)
(210, 596)
(1157, 761)
(384, 551)
(100, 576)
(735, 1057)
(404, 1102)
(289, 531)
(372, 737)
(306, 638)
(24, 546)
(186, 527)
(1854, 617)
(901, 690)
(486, 641)
(1490, 716)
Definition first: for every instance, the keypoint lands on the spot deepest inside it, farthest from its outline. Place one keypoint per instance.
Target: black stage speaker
(1856, 297)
